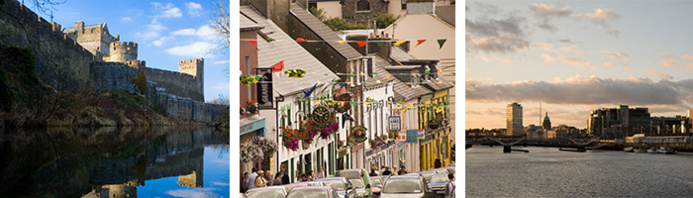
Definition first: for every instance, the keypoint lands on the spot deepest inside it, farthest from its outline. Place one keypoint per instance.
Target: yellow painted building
(436, 142)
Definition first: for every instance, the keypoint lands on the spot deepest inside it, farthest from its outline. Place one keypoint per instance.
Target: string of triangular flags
(440, 42)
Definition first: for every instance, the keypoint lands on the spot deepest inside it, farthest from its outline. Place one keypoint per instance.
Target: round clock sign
(321, 116)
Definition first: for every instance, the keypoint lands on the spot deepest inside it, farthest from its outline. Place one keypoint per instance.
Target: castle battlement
(192, 61)
(136, 64)
(128, 45)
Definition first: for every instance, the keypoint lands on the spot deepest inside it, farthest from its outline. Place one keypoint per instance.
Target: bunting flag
(306, 94)
(250, 79)
(440, 71)
(427, 72)
(300, 40)
(387, 76)
(419, 42)
(361, 43)
(441, 42)
(254, 42)
(341, 42)
(399, 43)
(278, 67)
(295, 73)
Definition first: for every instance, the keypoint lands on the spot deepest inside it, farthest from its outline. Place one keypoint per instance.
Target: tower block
(194, 67)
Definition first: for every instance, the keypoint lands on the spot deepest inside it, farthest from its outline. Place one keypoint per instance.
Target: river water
(548, 172)
(115, 162)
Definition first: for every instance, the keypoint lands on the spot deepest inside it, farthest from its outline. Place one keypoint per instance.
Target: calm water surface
(115, 162)
(547, 172)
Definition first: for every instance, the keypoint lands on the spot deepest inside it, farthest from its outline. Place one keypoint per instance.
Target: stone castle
(86, 57)
(187, 83)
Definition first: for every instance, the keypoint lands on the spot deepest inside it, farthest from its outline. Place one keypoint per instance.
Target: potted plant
(252, 107)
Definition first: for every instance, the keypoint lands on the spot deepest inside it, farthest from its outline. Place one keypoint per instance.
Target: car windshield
(439, 179)
(269, 193)
(357, 183)
(300, 193)
(376, 182)
(402, 186)
(336, 184)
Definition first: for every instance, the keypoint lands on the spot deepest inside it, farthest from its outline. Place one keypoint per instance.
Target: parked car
(376, 185)
(342, 185)
(438, 182)
(427, 174)
(303, 184)
(268, 192)
(405, 187)
(313, 192)
(359, 180)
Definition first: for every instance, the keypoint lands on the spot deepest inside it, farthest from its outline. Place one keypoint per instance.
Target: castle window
(363, 5)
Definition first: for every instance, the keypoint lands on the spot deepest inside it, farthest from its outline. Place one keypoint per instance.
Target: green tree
(318, 13)
(341, 24)
(385, 19)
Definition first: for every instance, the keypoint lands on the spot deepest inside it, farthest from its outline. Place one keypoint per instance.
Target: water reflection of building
(180, 153)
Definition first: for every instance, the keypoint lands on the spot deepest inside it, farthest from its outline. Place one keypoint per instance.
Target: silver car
(405, 187)
(313, 192)
(268, 192)
(343, 186)
(438, 182)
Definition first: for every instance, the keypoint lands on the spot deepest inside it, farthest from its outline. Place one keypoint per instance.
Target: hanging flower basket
(289, 138)
(326, 131)
(268, 146)
(251, 153)
(252, 107)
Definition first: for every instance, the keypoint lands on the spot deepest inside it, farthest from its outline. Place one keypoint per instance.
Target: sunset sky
(574, 57)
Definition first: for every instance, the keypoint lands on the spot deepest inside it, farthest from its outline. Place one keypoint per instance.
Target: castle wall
(60, 61)
(179, 84)
(185, 108)
(113, 76)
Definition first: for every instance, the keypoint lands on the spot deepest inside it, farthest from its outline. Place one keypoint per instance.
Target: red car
(376, 185)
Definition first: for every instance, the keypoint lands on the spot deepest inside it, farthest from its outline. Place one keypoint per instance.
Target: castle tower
(94, 38)
(122, 52)
(194, 67)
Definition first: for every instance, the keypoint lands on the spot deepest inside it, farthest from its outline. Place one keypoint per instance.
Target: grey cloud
(548, 12)
(581, 90)
(500, 36)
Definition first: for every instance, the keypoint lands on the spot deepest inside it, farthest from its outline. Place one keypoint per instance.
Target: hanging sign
(395, 123)
(264, 89)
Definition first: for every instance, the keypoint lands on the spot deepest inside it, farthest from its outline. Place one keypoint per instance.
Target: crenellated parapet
(122, 51)
(136, 64)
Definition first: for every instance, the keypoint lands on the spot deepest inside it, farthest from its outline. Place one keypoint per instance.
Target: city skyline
(574, 57)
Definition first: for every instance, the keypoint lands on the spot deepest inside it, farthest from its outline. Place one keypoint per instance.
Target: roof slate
(284, 48)
(324, 32)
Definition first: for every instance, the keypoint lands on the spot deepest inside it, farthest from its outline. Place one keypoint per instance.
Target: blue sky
(574, 57)
(166, 32)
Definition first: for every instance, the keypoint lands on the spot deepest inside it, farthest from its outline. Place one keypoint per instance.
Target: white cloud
(206, 32)
(126, 19)
(197, 49)
(152, 31)
(572, 49)
(220, 62)
(167, 11)
(687, 57)
(663, 76)
(544, 46)
(547, 57)
(194, 9)
(186, 32)
(667, 55)
(575, 61)
(160, 41)
(546, 13)
(602, 17)
(668, 63)
(608, 64)
(615, 55)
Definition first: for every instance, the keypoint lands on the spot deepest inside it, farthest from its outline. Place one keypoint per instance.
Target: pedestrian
(321, 173)
(402, 171)
(387, 171)
(260, 180)
(244, 183)
(450, 187)
(373, 172)
(394, 170)
(268, 178)
(302, 178)
(278, 179)
(437, 163)
(251, 179)
(310, 175)
(285, 177)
